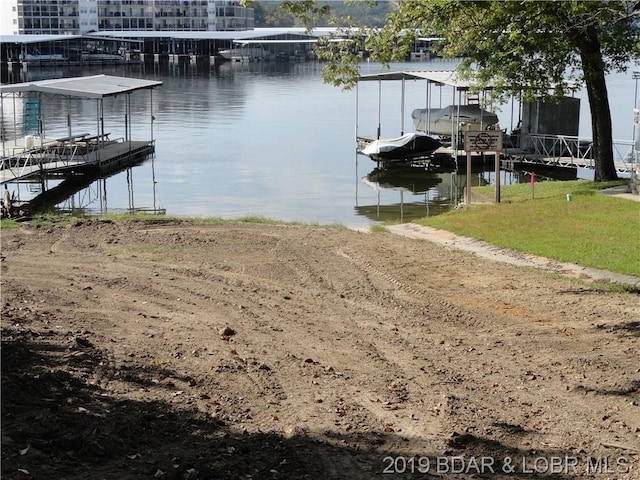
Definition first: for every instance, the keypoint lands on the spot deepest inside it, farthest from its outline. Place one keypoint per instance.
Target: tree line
(268, 13)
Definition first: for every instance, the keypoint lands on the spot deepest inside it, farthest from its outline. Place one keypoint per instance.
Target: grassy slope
(591, 230)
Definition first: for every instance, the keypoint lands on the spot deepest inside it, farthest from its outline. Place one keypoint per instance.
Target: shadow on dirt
(625, 329)
(631, 329)
(58, 422)
(632, 390)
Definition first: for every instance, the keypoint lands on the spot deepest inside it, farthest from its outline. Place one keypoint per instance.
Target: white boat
(245, 53)
(101, 57)
(446, 121)
(407, 147)
(30, 57)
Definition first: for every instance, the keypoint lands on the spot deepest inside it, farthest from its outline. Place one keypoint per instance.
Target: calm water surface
(271, 140)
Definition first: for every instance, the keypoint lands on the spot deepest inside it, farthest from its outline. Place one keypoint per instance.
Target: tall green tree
(531, 47)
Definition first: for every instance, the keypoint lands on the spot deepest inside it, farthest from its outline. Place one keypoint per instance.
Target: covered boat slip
(450, 121)
(33, 144)
(444, 121)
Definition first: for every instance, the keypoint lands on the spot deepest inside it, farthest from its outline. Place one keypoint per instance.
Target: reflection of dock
(413, 180)
(416, 193)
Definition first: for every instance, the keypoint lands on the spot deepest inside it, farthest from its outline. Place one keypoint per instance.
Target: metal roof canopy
(441, 77)
(30, 38)
(91, 87)
(254, 34)
(35, 38)
(270, 42)
(96, 87)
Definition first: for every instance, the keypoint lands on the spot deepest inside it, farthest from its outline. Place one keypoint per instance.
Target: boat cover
(440, 119)
(411, 145)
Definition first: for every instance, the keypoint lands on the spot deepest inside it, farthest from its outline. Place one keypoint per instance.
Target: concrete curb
(621, 191)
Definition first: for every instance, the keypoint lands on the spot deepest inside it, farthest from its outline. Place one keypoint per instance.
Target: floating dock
(527, 147)
(76, 157)
(575, 153)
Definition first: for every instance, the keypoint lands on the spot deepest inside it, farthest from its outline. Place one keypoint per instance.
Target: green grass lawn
(591, 230)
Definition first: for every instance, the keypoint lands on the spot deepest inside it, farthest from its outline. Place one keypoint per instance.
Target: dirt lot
(174, 351)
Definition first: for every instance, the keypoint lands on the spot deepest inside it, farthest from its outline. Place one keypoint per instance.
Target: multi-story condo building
(82, 16)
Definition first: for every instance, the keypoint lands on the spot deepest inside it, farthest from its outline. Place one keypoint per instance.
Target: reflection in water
(407, 193)
(82, 194)
(416, 180)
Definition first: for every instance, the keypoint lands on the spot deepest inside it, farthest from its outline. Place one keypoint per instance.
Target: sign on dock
(483, 141)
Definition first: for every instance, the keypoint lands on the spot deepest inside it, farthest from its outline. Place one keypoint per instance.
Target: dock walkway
(62, 158)
(569, 152)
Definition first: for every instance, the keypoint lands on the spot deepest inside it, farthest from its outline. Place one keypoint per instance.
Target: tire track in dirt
(428, 297)
(399, 354)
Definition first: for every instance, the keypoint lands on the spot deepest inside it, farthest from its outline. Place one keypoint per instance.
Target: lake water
(272, 140)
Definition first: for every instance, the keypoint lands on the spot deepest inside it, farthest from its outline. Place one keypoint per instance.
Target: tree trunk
(594, 74)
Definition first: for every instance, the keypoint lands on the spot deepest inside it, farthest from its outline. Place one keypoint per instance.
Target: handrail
(60, 154)
(569, 150)
(561, 146)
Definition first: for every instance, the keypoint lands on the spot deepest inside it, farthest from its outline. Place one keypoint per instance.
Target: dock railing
(562, 149)
(54, 156)
(623, 153)
(565, 150)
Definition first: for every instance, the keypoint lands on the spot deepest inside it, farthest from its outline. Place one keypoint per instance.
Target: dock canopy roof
(96, 86)
(444, 77)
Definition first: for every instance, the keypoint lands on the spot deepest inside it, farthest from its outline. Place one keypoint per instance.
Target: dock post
(467, 192)
(379, 107)
(497, 170)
